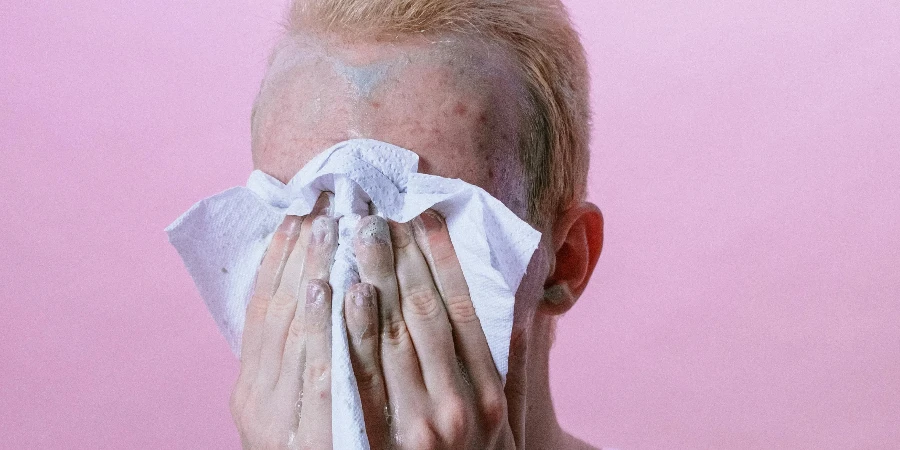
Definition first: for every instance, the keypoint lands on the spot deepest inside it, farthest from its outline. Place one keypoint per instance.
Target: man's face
(454, 101)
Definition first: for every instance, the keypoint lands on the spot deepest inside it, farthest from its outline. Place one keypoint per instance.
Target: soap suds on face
(451, 100)
(365, 79)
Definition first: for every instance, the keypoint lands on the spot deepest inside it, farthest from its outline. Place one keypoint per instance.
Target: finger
(471, 344)
(284, 303)
(267, 280)
(424, 314)
(292, 283)
(361, 316)
(319, 258)
(403, 378)
(314, 428)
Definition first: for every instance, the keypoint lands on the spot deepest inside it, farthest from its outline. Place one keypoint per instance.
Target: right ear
(578, 241)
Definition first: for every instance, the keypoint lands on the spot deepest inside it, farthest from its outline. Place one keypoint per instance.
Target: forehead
(453, 100)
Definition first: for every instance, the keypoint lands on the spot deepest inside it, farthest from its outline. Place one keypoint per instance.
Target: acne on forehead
(453, 100)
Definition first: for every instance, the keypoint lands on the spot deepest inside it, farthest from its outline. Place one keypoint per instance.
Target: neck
(532, 416)
(531, 412)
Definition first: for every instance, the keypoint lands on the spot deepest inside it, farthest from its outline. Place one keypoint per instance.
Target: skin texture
(457, 103)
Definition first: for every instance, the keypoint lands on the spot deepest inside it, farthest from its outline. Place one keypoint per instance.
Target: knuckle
(461, 309)
(455, 419)
(282, 302)
(368, 378)
(442, 251)
(316, 371)
(295, 330)
(493, 408)
(420, 435)
(395, 333)
(423, 302)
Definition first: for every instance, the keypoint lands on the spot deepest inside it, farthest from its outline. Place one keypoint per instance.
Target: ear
(577, 241)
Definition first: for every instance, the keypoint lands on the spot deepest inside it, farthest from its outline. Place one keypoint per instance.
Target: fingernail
(362, 295)
(314, 293)
(324, 205)
(431, 220)
(290, 226)
(373, 230)
(322, 230)
(401, 233)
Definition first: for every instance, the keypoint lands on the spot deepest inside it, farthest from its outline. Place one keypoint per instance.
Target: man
(490, 91)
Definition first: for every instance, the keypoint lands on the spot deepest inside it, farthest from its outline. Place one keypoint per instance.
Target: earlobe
(577, 241)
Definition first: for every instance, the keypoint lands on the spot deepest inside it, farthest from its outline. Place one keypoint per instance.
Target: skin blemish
(460, 109)
(451, 101)
(224, 270)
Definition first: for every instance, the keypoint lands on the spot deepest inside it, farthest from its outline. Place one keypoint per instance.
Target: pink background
(746, 156)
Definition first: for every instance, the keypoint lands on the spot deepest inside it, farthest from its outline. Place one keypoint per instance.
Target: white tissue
(222, 240)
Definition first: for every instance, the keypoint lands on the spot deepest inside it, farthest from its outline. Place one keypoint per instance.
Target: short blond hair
(547, 51)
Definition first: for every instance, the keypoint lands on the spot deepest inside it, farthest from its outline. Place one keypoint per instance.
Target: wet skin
(417, 347)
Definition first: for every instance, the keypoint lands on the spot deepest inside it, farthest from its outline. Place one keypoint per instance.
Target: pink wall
(746, 156)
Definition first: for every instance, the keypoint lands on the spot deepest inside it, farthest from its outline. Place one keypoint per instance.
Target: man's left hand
(424, 369)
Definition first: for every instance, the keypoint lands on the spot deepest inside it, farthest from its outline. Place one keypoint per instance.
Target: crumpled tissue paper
(223, 238)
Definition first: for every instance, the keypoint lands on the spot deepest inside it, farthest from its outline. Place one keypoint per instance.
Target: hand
(282, 398)
(417, 347)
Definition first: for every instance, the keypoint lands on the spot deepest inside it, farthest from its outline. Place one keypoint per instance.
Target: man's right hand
(424, 359)
(282, 398)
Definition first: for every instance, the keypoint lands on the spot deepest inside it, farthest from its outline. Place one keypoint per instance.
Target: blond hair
(554, 145)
